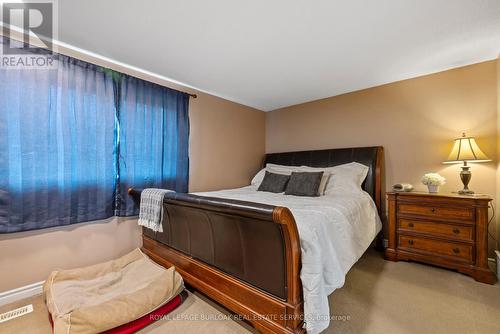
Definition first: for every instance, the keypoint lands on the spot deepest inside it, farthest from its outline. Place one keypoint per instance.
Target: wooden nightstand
(445, 230)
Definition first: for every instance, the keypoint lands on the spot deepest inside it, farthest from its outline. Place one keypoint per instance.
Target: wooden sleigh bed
(245, 255)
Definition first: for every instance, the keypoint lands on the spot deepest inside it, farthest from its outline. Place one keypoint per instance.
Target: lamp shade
(466, 149)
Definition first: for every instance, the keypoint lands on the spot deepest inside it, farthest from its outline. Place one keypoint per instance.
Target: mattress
(334, 230)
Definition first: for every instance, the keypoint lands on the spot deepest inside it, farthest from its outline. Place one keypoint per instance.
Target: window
(73, 139)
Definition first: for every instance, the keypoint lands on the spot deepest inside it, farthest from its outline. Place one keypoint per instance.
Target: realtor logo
(29, 29)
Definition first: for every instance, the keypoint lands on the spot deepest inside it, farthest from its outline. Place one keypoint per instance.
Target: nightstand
(445, 230)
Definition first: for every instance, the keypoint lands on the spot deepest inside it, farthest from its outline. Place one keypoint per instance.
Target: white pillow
(257, 179)
(282, 169)
(346, 177)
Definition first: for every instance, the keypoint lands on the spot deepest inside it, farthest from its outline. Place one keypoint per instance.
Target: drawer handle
(456, 231)
(410, 224)
(410, 242)
(433, 210)
(456, 250)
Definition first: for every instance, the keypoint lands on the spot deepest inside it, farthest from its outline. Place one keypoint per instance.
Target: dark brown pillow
(274, 183)
(304, 184)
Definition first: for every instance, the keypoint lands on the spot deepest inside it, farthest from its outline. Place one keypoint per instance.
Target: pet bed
(102, 297)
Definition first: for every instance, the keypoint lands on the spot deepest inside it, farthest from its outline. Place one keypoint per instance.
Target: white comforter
(334, 230)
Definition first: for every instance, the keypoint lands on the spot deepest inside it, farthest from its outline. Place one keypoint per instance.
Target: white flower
(433, 179)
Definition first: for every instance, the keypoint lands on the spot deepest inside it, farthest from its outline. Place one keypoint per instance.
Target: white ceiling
(271, 54)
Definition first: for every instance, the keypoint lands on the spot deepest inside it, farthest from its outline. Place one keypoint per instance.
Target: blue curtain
(75, 138)
(57, 164)
(154, 139)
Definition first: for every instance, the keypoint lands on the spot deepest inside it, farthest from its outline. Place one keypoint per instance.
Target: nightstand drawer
(438, 229)
(451, 249)
(457, 213)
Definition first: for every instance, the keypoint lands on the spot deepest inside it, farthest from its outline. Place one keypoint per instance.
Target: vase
(433, 188)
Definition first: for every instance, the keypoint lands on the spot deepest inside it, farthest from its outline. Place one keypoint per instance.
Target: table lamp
(465, 149)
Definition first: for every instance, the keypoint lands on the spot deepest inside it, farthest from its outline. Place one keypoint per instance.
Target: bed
(272, 259)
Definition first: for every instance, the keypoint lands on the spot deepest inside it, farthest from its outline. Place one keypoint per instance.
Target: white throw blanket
(151, 210)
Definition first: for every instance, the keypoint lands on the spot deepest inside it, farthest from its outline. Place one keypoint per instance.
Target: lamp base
(465, 176)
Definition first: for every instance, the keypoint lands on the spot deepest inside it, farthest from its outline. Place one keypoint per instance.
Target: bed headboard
(373, 157)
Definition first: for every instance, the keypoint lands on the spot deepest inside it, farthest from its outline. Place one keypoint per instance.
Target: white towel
(151, 210)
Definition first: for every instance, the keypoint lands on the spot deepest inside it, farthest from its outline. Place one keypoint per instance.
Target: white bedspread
(334, 230)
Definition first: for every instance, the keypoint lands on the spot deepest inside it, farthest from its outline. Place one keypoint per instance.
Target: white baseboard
(23, 292)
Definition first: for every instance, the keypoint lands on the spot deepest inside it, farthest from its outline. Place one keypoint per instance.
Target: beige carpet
(378, 297)
(190, 317)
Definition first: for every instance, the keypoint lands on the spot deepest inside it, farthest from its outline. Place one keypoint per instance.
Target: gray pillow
(274, 183)
(304, 184)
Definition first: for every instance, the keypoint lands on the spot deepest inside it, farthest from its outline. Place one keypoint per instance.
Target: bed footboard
(244, 255)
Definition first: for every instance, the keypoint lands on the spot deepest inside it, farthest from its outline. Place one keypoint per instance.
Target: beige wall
(28, 257)
(227, 144)
(415, 120)
(498, 155)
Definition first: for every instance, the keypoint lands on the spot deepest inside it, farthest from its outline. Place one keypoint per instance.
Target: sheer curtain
(154, 139)
(57, 163)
